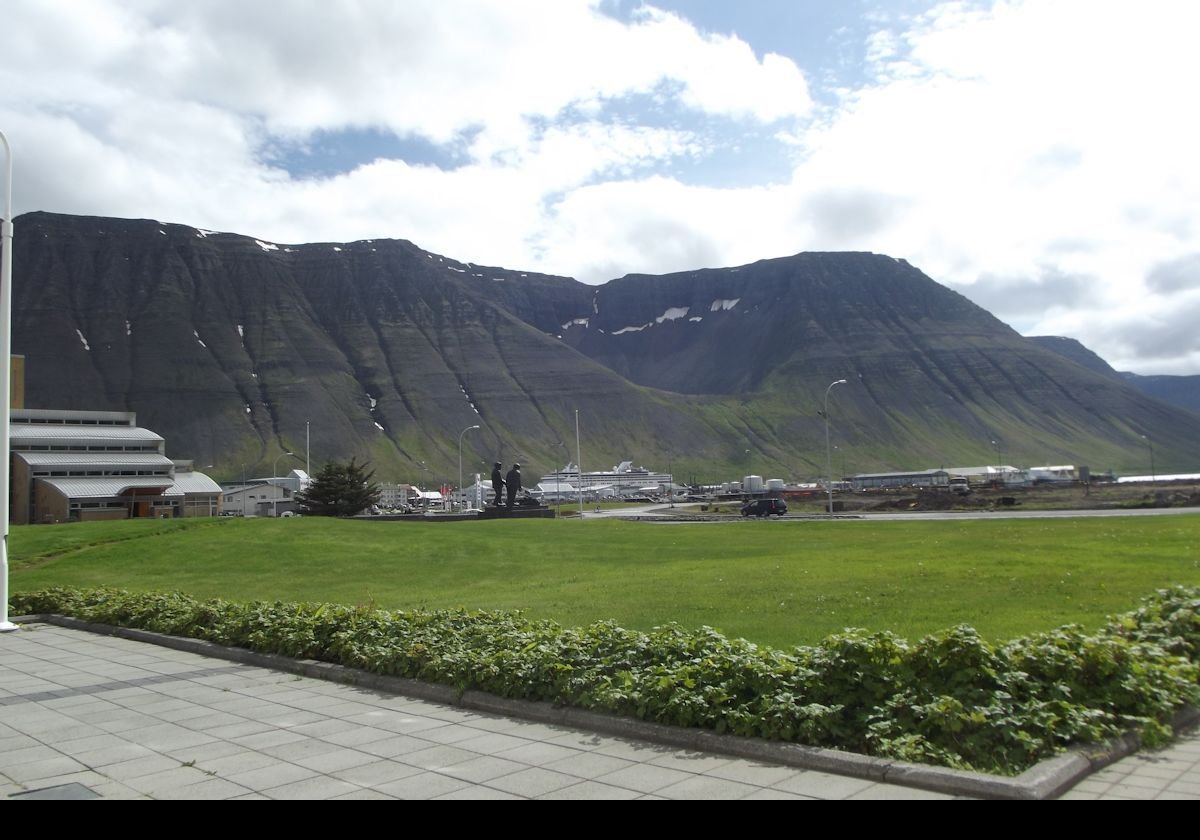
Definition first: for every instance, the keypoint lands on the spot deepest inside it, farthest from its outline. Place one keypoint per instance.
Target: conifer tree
(339, 490)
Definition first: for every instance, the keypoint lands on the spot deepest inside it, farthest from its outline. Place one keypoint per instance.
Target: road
(661, 513)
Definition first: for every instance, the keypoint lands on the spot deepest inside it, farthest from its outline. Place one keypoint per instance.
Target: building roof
(82, 434)
(95, 460)
(108, 487)
(58, 416)
(257, 488)
(194, 482)
(901, 474)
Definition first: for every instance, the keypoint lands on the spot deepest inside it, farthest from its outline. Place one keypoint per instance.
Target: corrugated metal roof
(194, 482)
(106, 488)
(31, 433)
(93, 460)
(915, 474)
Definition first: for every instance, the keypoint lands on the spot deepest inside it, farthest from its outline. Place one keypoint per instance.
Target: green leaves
(951, 698)
(339, 490)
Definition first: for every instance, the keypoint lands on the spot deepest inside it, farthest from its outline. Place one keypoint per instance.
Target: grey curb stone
(1044, 780)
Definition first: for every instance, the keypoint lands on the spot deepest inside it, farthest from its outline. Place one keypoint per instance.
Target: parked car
(764, 507)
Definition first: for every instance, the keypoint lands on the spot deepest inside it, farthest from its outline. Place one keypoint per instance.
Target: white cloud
(1007, 146)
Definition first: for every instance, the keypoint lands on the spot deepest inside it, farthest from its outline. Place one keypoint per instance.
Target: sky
(1038, 157)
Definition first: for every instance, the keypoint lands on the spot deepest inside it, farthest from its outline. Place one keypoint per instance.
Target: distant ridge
(228, 345)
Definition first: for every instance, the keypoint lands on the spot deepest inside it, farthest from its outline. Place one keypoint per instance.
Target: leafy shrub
(951, 698)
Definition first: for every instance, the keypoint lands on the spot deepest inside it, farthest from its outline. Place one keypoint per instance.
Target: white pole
(460, 487)
(828, 455)
(579, 463)
(307, 459)
(6, 240)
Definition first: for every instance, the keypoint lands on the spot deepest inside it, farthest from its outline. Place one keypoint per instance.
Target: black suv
(764, 507)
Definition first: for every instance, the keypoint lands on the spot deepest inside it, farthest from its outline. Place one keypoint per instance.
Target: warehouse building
(70, 466)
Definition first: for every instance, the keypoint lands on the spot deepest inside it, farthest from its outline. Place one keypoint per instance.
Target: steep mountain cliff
(228, 346)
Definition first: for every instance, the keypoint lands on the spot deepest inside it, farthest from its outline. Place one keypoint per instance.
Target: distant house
(88, 465)
(265, 496)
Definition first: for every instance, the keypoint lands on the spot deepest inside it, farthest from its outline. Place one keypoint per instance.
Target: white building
(89, 465)
(265, 496)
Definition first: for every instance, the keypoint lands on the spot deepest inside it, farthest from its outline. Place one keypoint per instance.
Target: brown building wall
(102, 514)
(16, 382)
(201, 505)
(49, 505)
(22, 482)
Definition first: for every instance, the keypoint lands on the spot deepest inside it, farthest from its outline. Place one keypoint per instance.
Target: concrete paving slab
(62, 792)
(339, 758)
(395, 746)
(707, 788)
(158, 784)
(210, 789)
(426, 785)
(478, 792)
(533, 782)
(483, 769)
(363, 794)
(131, 769)
(182, 725)
(772, 794)
(537, 753)
(691, 762)
(491, 743)
(318, 787)
(644, 778)
(273, 775)
(590, 791)
(378, 772)
(818, 785)
(438, 757)
(32, 773)
(588, 765)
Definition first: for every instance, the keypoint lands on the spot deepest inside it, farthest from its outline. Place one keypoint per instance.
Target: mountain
(1179, 391)
(1072, 349)
(228, 345)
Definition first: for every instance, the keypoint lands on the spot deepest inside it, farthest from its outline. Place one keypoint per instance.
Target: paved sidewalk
(85, 715)
(1171, 773)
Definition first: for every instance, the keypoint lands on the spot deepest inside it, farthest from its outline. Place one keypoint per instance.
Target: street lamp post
(579, 463)
(670, 481)
(828, 451)
(460, 438)
(999, 462)
(1153, 474)
(6, 240)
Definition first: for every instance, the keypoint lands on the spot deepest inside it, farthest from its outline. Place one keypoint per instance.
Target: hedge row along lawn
(776, 583)
(950, 699)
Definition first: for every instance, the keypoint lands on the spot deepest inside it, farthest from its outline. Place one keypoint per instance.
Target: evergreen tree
(339, 490)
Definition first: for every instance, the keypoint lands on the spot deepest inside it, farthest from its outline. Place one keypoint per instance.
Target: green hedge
(951, 698)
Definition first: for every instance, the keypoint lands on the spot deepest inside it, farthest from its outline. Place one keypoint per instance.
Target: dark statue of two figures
(510, 482)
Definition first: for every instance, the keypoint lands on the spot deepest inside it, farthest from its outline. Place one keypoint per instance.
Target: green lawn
(773, 582)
